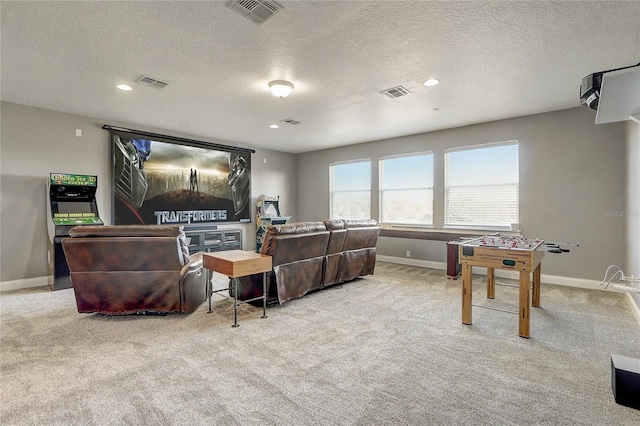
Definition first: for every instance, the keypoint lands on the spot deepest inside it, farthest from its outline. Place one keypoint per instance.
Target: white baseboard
(412, 262)
(24, 283)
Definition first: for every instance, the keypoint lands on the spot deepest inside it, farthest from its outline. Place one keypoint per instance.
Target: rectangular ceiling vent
(395, 92)
(257, 11)
(153, 82)
(290, 121)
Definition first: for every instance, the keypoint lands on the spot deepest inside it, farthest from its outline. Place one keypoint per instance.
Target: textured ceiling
(494, 59)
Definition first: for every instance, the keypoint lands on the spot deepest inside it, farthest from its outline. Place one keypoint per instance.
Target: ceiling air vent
(290, 121)
(395, 92)
(153, 82)
(257, 11)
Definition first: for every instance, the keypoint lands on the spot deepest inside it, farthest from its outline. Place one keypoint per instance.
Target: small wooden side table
(236, 264)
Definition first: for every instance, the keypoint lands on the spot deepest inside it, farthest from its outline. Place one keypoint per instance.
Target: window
(350, 190)
(482, 186)
(406, 189)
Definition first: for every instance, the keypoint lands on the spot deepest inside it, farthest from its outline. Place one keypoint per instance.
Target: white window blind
(350, 190)
(406, 189)
(482, 186)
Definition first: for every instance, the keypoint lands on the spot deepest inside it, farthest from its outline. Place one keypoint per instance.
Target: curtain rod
(197, 143)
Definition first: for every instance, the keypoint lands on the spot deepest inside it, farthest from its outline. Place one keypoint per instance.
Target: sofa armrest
(193, 287)
(195, 262)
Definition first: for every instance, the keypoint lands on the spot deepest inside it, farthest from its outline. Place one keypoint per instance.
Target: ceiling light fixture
(431, 82)
(124, 87)
(281, 88)
(274, 126)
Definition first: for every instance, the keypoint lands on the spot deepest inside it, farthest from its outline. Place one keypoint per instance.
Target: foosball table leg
(524, 311)
(536, 287)
(466, 293)
(491, 283)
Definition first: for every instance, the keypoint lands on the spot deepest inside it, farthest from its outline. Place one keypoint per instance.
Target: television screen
(162, 182)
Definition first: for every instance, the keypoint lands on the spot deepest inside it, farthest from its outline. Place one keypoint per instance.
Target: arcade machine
(267, 213)
(72, 202)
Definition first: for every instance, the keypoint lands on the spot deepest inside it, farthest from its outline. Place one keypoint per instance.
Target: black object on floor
(625, 380)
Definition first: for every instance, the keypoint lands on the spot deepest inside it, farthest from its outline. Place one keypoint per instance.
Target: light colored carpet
(388, 349)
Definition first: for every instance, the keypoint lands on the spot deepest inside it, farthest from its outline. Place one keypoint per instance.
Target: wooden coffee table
(236, 264)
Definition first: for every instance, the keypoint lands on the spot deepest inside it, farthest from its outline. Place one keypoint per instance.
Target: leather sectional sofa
(310, 256)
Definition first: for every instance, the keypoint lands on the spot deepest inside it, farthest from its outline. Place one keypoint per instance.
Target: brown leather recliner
(127, 269)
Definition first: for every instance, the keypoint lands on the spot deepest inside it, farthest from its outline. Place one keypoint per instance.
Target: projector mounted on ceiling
(591, 85)
(257, 11)
(590, 90)
(614, 94)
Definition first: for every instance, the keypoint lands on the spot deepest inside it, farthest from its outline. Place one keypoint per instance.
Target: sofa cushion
(295, 247)
(361, 234)
(334, 224)
(295, 241)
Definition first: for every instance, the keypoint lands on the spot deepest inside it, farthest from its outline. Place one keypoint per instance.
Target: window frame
(332, 191)
(381, 189)
(446, 187)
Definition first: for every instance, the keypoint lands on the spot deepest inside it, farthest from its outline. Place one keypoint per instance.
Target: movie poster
(161, 183)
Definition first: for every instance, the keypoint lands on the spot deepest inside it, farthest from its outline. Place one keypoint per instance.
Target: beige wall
(633, 203)
(571, 173)
(35, 142)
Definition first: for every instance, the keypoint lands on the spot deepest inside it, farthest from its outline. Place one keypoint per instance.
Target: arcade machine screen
(270, 209)
(66, 207)
(267, 213)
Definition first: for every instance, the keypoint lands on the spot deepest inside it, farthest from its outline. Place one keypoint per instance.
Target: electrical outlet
(408, 253)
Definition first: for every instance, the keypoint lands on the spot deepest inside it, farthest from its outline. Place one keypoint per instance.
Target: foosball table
(513, 253)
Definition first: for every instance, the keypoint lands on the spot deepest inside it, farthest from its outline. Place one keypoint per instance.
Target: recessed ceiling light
(436, 109)
(274, 126)
(431, 82)
(124, 87)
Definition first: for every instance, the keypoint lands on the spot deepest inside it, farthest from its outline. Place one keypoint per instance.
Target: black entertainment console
(210, 238)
